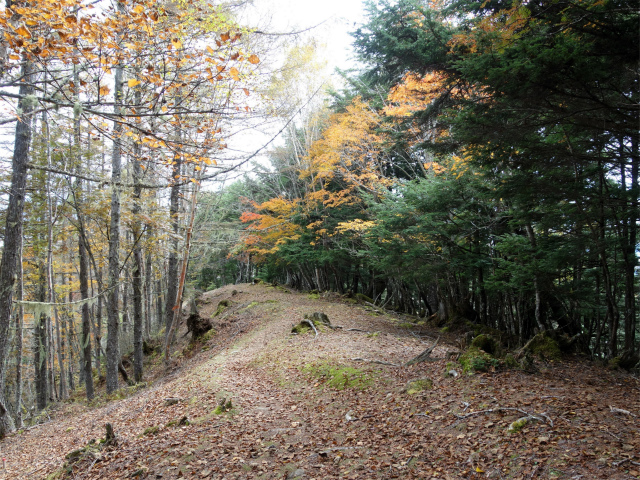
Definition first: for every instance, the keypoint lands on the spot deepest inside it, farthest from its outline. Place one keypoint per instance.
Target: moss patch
(151, 430)
(406, 325)
(544, 347)
(223, 407)
(222, 306)
(339, 377)
(208, 336)
(362, 298)
(301, 329)
(487, 343)
(420, 385)
(476, 360)
(518, 425)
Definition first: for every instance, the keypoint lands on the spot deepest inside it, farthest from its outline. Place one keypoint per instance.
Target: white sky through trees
(328, 22)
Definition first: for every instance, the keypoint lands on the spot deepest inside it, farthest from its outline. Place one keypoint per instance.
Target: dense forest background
(480, 169)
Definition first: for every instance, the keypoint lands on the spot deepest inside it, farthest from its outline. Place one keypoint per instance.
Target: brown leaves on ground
(302, 408)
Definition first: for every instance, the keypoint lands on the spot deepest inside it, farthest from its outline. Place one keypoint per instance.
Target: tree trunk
(13, 233)
(137, 261)
(148, 300)
(183, 273)
(86, 319)
(172, 267)
(98, 325)
(113, 354)
(631, 260)
(40, 348)
(19, 338)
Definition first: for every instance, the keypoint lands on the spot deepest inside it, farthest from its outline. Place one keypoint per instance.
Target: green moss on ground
(476, 360)
(339, 377)
(222, 306)
(362, 298)
(420, 385)
(545, 347)
(487, 343)
(151, 430)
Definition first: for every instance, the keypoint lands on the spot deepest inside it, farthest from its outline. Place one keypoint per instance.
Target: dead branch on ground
(543, 417)
(424, 356)
(380, 362)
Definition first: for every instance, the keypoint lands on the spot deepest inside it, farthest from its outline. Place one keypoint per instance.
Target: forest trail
(303, 408)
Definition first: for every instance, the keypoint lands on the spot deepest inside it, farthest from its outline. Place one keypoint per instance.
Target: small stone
(299, 473)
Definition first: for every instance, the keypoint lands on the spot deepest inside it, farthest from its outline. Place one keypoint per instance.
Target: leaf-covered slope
(302, 407)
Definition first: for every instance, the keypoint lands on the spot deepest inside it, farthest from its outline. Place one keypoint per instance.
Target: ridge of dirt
(288, 422)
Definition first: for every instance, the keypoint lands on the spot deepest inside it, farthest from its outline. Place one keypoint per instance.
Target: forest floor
(303, 408)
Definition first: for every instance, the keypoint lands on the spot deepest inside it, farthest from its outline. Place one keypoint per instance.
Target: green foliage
(510, 174)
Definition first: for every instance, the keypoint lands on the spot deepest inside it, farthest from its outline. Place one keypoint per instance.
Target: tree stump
(198, 326)
(110, 438)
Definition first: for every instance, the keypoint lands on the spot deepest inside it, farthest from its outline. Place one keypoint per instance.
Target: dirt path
(303, 408)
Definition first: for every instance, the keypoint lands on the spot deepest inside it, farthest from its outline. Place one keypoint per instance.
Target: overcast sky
(333, 19)
(329, 22)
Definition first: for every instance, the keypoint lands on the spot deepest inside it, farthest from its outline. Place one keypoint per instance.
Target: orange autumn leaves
(414, 93)
(345, 162)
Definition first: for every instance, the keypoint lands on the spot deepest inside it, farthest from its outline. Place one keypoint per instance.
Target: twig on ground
(358, 359)
(613, 435)
(91, 466)
(625, 460)
(620, 410)
(356, 330)
(538, 416)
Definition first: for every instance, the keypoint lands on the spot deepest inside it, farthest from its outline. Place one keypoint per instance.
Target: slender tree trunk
(41, 348)
(50, 275)
(137, 261)
(172, 267)
(148, 299)
(86, 319)
(13, 233)
(19, 338)
(631, 260)
(113, 354)
(183, 273)
(98, 333)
